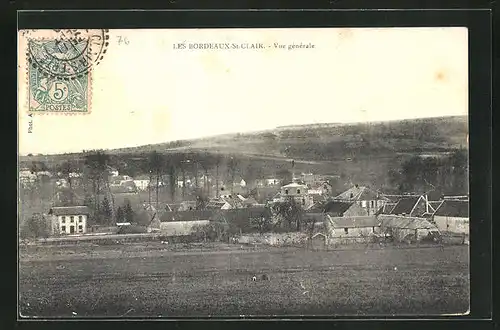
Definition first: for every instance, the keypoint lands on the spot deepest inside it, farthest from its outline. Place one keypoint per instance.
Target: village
(298, 209)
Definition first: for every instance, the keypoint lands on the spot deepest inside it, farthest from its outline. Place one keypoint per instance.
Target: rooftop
(453, 208)
(403, 222)
(358, 193)
(354, 222)
(69, 210)
(294, 185)
(405, 205)
(336, 207)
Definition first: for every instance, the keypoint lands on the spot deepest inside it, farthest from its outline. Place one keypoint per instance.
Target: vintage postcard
(229, 172)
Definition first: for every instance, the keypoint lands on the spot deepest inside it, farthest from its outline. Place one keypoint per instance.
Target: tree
(128, 212)
(206, 162)
(290, 213)
(172, 178)
(262, 224)
(156, 167)
(106, 210)
(35, 227)
(232, 167)
(420, 175)
(308, 224)
(119, 215)
(284, 175)
(143, 218)
(251, 174)
(66, 169)
(96, 162)
(217, 160)
(201, 199)
(182, 162)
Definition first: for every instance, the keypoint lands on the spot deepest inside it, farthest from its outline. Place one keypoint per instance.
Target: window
(80, 218)
(63, 229)
(298, 191)
(71, 229)
(346, 230)
(80, 228)
(352, 195)
(363, 203)
(373, 229)
(372, 204)
(286, 191)
(63, 219)
(72, 219)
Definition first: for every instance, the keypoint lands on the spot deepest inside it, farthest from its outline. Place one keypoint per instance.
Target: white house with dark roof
(70, 220)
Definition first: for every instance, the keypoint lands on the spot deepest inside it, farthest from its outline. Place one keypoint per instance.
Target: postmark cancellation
(59, 66)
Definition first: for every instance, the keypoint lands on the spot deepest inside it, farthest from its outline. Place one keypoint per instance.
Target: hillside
(324, 142)
(363, 152)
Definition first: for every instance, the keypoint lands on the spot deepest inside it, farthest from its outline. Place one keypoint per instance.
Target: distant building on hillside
(69, 220)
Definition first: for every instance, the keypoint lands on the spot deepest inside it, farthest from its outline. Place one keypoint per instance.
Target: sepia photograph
(243, 172)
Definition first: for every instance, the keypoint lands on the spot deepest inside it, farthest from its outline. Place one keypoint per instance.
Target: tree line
(448, 175)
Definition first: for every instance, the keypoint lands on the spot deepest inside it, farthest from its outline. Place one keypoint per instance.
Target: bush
(35, 227)
(132, 229)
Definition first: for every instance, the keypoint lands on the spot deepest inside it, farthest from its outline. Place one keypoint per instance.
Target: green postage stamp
(59, 66)
(53, 94)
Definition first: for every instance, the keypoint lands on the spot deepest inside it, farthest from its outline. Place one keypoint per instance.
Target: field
(151, 279)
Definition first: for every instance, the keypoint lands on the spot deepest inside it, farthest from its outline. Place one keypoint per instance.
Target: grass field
(153, 280)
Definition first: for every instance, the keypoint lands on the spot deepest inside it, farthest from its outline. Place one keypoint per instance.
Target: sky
(144, 91)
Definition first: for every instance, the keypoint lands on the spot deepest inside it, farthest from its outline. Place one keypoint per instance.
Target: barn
(402, 228)
(453, 216)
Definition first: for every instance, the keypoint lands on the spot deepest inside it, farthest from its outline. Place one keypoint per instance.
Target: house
(69, 219)
(120, 180)
(453, 216)
(113, 171)
(367, 198)
(322, 188)
(357, 228)
(341, 209)
(414, 206)
(319, 241)
(142, 182)
(241, 219)
(26, 177)
(123, 189)
(297, 192)
(43, 173)
(187, 206)
(249, 202)
(271, 182)
(218, 204)
(404, 228)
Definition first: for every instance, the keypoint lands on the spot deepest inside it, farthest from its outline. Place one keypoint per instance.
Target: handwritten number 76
(122, 40)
